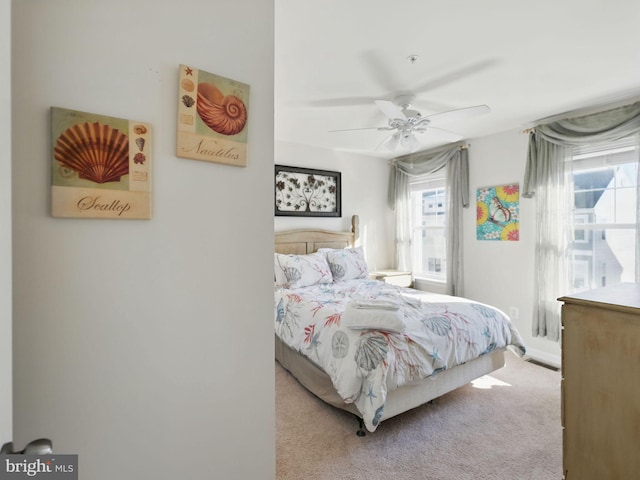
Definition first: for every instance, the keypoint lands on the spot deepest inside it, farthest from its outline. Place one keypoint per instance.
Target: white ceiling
(525, 60)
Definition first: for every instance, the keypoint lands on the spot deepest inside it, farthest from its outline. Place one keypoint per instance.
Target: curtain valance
(455, 160)
(555, 140)
(424, 163)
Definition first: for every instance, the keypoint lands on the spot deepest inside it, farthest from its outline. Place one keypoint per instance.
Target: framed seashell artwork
(213, 114)
(307, 192)
(100, 166)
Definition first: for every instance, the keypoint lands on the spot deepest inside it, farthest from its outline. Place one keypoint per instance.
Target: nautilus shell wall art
(100, 166)
(223, 114)
(97, 152)
(213, 117)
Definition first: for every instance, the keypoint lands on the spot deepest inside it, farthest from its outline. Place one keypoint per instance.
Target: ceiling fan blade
(390, 109)
(379, 70)
(444, 135)
(459, 114)
(446, 79)
(342, 102)
(356, 129)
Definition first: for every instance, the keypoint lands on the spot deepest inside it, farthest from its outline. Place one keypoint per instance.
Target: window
(604, 185)
(428, 216)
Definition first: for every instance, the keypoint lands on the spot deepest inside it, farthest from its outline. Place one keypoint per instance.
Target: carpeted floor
(509, 429)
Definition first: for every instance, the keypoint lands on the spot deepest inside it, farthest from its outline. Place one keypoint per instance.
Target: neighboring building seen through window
(428, 214)
(603, 250)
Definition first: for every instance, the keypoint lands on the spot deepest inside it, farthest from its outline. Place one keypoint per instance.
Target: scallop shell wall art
(213, 117)
(97, 152)
(98, 169)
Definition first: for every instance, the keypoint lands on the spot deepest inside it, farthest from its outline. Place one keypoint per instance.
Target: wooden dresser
(601, 383)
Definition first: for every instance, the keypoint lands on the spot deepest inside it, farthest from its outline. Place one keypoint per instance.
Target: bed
(359, 344)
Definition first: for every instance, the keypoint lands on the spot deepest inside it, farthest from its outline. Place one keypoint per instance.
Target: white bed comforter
(439, 332)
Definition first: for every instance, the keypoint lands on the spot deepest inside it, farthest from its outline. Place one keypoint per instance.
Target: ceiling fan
(407, 124)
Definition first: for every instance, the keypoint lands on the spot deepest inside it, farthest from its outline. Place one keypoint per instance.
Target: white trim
(544, 357)
(427, 285)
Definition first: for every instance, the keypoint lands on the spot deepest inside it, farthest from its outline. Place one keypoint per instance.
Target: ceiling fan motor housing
(413, 116)
(407, 122)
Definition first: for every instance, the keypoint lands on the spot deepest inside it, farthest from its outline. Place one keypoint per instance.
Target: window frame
(584, 160)
(431, 182)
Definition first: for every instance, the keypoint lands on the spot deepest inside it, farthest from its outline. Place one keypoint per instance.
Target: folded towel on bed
(386, 319)
(374, 304)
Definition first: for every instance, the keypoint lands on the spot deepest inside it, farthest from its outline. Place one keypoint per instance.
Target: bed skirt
(399, 400)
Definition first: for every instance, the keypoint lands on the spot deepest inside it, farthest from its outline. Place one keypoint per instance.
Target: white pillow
(347, 264)
(294, 271)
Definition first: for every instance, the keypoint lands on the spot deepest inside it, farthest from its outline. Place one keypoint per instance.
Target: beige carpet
(508, 431)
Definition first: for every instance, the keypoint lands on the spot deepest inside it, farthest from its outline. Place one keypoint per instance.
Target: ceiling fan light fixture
(409, 142)
(392, 142)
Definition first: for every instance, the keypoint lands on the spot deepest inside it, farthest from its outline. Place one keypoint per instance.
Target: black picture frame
(307, 192)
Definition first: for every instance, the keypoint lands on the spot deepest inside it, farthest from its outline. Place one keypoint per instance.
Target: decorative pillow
(294, 271)
(347, 264)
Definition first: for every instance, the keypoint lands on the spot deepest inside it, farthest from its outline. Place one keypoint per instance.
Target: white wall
(135, 346)
(364, 192)
(496, 272)
(6, 433)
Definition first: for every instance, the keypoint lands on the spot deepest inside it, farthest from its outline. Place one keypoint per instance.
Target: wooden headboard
(303, 241)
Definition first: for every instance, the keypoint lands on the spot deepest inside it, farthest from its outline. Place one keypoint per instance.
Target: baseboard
(544, 358)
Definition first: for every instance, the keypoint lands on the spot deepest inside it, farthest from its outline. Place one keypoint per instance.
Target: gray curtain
(550, 146)
(456, 162)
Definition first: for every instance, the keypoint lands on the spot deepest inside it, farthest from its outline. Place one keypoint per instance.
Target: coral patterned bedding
(371, 337)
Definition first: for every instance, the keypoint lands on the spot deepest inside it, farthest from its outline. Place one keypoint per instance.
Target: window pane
(433, 207)
(608, 258)
(609, 193)
(588, 198)
(624, 205)
(429, 252)
(428, 240)
(628, 175)
(580, 234)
